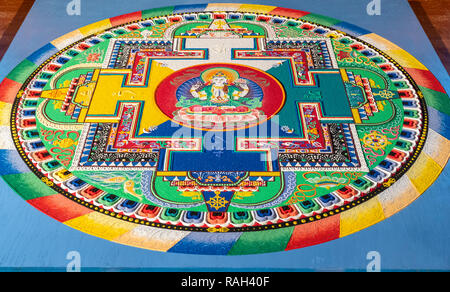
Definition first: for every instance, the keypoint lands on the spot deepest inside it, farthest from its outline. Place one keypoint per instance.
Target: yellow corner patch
(405, 59)
(393, 51)
(5, 112)
(100, 225)
(423, 172)
(95, 27)
(254, 8)
(361, 216)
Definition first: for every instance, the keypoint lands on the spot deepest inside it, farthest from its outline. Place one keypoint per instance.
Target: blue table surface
(416, 238)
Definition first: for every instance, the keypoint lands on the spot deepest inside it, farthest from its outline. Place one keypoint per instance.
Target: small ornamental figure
(220, 85)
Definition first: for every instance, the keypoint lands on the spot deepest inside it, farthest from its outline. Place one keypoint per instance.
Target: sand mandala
(221, 129)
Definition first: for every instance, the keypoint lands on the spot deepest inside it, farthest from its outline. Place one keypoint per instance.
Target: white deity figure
(220, 86)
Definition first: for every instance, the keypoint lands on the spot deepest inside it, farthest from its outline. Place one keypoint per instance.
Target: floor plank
(12, 14)
(434, 16)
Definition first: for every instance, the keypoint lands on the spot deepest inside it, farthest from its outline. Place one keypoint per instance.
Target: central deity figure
(220, 85)
(219, 98)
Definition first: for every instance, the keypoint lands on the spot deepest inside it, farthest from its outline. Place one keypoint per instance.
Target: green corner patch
(22, 71)
(262, 241)
(323, 20)
(436, 99)
(28, 185)
(157, 12)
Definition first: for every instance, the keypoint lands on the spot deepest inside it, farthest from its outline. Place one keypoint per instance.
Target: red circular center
(271, 103)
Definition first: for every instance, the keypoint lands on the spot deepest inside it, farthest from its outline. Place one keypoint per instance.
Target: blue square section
(351, 29)
(14, 161)
(206, 243)
(39, 56)
(439, 122)
(190, 8)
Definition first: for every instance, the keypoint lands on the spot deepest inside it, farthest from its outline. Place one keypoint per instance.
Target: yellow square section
(110, 90)
(361, 216)
(256, 8)
(95, 27)
(100, 225)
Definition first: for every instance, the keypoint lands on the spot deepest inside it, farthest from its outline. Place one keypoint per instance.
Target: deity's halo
(230, 74)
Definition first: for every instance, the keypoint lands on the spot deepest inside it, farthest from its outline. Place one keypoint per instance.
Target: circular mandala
(229, 129)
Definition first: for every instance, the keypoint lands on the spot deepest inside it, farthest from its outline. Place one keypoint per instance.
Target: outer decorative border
(418, 178)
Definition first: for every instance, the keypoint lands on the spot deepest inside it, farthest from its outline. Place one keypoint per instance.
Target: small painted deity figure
(220, 86)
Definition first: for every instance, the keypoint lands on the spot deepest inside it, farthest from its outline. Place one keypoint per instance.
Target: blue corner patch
(439, 122)
(12, 163)
(39, 56)
(351, 29)
(189, 8)
(206, 243)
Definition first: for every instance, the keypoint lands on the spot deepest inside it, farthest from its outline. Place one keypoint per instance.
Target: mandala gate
(222, 129)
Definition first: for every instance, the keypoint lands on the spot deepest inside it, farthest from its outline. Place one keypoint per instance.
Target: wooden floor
(434, 16)
(12, 14)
